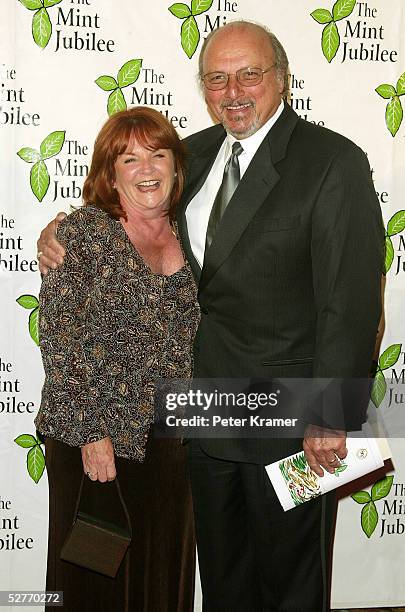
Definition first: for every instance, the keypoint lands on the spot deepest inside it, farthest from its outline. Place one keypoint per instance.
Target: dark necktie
(229, 183)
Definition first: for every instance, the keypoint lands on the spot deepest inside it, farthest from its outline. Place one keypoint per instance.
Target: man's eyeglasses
(245, 76)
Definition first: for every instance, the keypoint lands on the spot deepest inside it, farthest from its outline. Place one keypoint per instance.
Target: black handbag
(94, 542)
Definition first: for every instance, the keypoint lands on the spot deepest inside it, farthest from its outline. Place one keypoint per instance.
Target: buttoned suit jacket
(290, 286)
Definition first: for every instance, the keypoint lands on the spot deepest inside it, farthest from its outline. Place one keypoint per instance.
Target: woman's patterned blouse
(109, 327)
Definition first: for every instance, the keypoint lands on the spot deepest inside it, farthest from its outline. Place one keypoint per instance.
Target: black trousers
(253, 556)
(160, 574)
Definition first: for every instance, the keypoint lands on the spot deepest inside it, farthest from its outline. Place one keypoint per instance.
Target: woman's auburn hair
(152, 130)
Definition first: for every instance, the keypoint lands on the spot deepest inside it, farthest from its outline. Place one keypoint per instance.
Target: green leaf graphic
(116, 102)
(361, 497)
(52, 144)
(386, 91)
(340, 469)
(396, 224)
(35, 463)
(39, 180)
(330, 41)
(401, 85)
(390, 356)
(369, 518)
(107, 83)
(393, 115)
(200, 6)
(389, 254)
(48, 3)
(343, 8)
(190, 36)
(379, 389)
(381, 488)
(33, 325)
(26, 441)
(29, 155)
(28, 301)
(129, 72)
(322, 16)
(180, 10)
(32, 5)
(41, 28)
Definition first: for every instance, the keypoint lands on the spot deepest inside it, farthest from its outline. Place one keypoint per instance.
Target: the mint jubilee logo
(41, 23)
(387, 360)
(369, 512)
(395, 225)
(394, 112)
(39, 176)
(35, 455)
(330, 41)
(190, 34)
(30, 302)
(127, 75)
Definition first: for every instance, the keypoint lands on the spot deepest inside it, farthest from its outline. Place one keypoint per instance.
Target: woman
(119, 314)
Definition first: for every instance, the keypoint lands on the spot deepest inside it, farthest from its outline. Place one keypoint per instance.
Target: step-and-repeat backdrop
(64, 66)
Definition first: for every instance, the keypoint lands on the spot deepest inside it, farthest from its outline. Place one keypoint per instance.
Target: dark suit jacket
(290, 286)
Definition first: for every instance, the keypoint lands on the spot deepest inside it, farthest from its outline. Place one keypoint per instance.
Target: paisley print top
(109, 327)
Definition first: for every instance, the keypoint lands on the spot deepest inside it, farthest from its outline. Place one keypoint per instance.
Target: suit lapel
(257, 183)
(258, 180)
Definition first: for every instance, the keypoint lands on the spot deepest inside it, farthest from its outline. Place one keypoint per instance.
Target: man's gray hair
(280, 56)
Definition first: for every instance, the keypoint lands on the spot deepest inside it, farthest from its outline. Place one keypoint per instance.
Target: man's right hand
(50, 251)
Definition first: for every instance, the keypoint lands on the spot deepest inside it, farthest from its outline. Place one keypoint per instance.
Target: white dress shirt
(199, 209)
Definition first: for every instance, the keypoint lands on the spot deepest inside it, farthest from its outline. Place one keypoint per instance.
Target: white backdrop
(51, 54)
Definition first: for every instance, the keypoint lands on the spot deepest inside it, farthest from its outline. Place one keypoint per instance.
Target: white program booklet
(295, 482)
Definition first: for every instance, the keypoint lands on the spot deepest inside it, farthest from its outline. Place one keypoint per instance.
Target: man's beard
(246, 131)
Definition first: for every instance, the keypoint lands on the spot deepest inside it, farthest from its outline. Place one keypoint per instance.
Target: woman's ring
(39, 255)
(89, 474)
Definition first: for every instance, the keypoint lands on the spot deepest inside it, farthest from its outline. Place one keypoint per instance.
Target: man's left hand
(324, 448)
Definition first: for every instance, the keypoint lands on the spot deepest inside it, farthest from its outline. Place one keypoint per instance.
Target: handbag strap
(123, 504)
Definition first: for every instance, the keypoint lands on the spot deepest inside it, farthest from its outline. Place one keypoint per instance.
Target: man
(285, 291)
